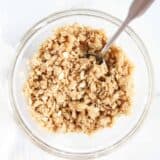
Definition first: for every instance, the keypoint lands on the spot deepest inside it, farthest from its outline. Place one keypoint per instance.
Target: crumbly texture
(68, 92)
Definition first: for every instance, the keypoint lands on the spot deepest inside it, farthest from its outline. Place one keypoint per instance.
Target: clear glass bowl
(73, 145)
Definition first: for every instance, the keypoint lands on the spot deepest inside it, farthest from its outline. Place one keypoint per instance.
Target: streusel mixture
(69, 92)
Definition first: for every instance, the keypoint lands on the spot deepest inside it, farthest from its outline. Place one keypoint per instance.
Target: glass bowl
(78, 145)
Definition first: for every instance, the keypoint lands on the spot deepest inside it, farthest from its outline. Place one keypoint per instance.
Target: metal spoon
(137, 8)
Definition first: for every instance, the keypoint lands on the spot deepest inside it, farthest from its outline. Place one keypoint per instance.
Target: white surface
(17, 16)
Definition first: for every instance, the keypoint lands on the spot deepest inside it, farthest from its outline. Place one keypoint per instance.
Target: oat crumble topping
(68, 92)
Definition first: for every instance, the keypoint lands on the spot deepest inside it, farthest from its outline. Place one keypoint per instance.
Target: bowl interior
(74, 142)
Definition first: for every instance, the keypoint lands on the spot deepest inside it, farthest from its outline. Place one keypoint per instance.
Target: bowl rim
(93, 13)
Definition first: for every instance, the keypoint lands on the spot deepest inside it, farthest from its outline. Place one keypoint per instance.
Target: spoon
(137, 8)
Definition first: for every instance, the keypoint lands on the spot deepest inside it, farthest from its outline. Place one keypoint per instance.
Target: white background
(16, 16)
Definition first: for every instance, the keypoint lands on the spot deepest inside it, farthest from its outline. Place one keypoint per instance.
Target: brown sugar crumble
(68, 92)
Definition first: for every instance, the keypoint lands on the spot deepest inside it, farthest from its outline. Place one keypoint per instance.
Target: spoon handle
(137, 8)
(122, 27)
